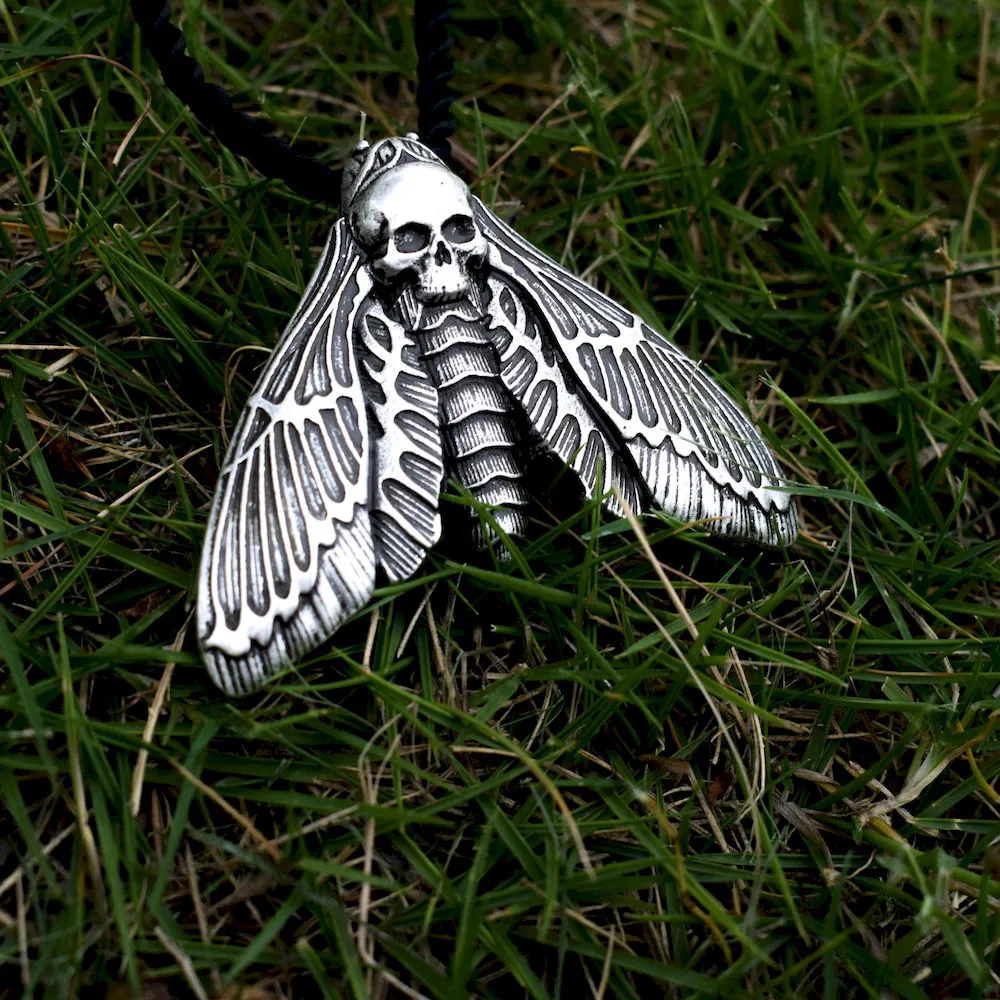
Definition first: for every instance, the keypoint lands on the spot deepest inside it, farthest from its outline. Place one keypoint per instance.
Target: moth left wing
(407, 457)
(687, 444)
(289, 552)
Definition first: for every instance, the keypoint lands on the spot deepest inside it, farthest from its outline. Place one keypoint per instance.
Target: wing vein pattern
(408, 464)
(289, 551)
(687, 443)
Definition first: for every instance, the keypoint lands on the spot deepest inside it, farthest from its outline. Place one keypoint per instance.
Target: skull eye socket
(459, 229)
(411, 237)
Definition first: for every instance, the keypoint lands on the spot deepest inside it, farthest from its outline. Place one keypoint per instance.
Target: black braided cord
(435, 69)
(253, 137)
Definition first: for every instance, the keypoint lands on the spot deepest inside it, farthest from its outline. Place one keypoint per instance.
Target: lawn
(630, 761)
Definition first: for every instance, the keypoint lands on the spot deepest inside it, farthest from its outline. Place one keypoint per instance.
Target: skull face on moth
(431, 242)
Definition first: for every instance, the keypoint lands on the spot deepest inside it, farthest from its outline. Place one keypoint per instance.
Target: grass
(538, 779)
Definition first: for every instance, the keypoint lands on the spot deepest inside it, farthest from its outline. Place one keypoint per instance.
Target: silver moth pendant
(429, 333)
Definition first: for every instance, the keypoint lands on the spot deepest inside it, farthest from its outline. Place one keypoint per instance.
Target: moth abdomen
(479, 439)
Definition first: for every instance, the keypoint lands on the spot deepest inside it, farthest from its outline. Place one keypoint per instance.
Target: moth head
(416, 224)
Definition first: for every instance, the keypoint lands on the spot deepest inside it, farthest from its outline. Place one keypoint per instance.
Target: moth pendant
(431, 341)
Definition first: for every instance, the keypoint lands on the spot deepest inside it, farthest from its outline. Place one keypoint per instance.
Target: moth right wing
(657, 423)
(556, 408)
(289, 552)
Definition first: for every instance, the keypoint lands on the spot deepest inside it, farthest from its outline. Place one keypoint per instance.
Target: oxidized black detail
(430, 335)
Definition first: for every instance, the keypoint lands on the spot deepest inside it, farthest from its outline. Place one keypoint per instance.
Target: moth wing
(408, 465)
(688, 443)
(289, 551)
(560, 414)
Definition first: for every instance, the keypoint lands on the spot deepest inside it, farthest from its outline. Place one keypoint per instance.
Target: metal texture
(429, 334)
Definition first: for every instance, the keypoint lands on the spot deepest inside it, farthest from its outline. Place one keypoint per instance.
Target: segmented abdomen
(477, 431)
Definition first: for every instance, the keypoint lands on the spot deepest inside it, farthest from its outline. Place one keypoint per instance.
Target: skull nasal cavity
(442, 255)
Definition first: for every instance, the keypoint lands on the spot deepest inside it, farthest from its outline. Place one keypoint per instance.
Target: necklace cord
(254, 139)
(435, 70)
